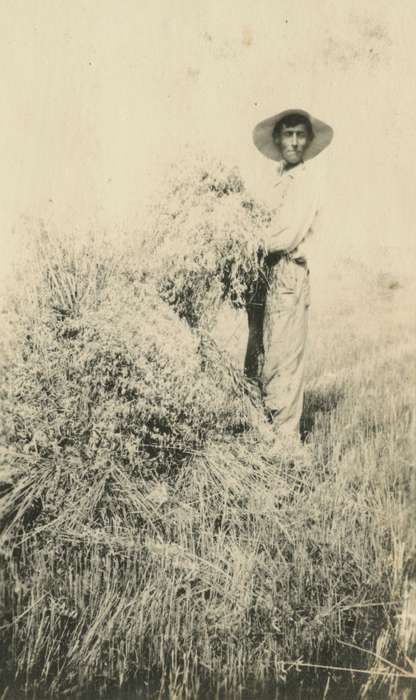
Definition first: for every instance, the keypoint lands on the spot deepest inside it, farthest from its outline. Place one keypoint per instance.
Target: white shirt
(294, 197)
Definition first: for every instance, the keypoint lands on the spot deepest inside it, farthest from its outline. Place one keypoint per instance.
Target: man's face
(292, 142)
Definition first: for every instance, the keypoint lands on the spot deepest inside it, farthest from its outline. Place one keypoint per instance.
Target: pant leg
(285, 332)
(254, 358)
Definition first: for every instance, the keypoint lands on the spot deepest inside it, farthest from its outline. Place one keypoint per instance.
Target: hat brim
(263, 135)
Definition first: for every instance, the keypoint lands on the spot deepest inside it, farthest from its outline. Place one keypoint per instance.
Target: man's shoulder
(263, 179)
(311, 175)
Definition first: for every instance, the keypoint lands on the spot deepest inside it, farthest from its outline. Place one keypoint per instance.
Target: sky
(100, 96)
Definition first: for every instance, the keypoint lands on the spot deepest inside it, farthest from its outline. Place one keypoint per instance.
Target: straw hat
(263, 135)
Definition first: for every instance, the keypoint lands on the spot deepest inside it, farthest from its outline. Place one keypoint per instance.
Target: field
(155, 532)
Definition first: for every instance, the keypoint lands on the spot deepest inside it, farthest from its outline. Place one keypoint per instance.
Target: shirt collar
(292, 171)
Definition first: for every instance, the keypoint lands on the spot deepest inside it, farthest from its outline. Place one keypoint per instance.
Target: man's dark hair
(293, 119)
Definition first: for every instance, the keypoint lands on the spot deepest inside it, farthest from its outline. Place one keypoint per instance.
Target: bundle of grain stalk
(95, 391)
(205, 244)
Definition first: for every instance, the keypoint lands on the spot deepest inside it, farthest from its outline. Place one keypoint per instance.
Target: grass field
(199, 550)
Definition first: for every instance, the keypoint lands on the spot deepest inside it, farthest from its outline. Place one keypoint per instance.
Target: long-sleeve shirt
(294, 196)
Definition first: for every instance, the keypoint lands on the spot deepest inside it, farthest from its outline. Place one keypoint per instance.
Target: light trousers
(278, 325)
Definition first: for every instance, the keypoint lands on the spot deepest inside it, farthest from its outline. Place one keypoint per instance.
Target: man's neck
(289, 166)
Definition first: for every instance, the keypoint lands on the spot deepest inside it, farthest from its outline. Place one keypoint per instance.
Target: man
(278, 312)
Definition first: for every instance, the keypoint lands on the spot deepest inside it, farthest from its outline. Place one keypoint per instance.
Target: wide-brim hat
(263, 135)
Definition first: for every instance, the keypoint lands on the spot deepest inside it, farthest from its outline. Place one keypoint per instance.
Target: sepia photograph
(207, 350)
